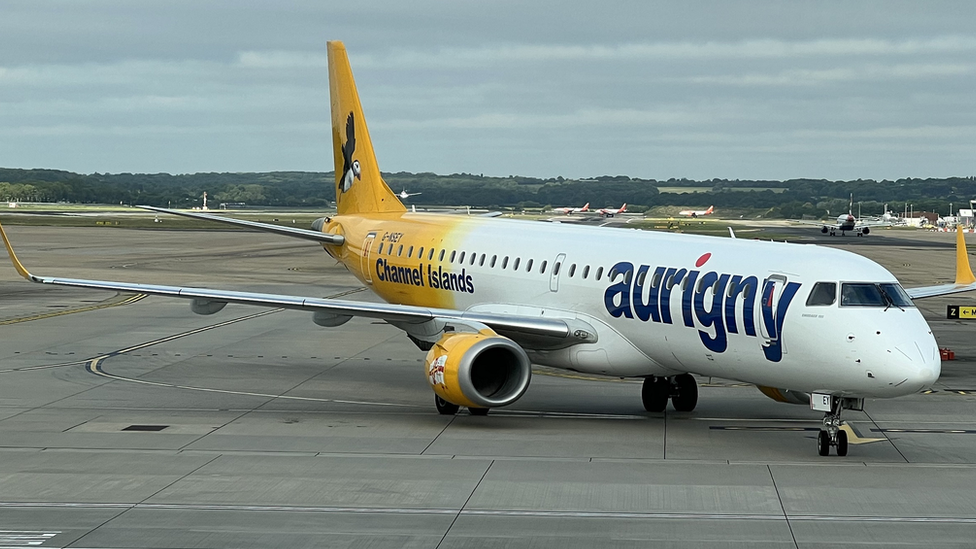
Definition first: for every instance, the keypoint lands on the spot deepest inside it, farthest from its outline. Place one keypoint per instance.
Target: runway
(131, 422)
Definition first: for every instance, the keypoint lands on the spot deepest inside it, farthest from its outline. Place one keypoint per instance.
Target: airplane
(486, 298)
(570, 210)
(405, 195)
(696, 213)
(610, 212)
(847, 222)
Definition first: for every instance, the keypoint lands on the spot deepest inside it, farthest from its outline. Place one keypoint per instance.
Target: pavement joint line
(691, 515)
(127, 301)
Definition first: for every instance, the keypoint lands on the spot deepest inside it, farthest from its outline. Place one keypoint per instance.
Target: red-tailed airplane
(568, 211)
(610, 212)
(696, 213)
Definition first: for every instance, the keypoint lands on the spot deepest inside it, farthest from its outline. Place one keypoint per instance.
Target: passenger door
(554, 276)
(367, 254)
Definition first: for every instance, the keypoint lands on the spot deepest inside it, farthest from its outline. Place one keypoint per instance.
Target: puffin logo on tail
(350, 167)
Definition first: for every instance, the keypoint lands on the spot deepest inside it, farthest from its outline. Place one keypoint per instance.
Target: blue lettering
(713, 315)
(622, 307)
(649, 309)
(774, 350)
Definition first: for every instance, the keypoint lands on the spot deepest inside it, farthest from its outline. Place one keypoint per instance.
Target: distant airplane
(568, 211)
(696, 213)
(405, 195)
(847, 222)
(488, 298)
(610, 212)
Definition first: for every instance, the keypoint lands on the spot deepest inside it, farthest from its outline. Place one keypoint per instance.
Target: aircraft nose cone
(921, 365)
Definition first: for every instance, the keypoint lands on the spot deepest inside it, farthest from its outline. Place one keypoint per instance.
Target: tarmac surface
(131, 422)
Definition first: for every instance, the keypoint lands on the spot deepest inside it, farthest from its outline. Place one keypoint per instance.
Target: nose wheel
(832, 434)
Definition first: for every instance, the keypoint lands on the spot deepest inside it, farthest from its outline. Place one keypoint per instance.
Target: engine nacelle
(785, 395)
(478, 370)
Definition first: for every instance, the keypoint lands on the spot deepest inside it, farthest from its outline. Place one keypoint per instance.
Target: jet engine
(478, 370)
(785, 395)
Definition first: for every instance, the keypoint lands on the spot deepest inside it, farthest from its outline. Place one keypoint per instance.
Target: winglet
(964, 273)
(13, 257)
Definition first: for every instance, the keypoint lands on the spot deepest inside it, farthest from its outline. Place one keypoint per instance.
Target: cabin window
(430, 255)
(441, 258)
(481, 262)
(572, 270)
(474, 256)
(528, 266)
(700, 286)
(670, 282)
(410, 252)
(822, 294)
(732, 287)
(599, 273)
(380, 250)
(586, 271)
(684, 284)
(656, 279)
(453, 255)
(400, 250)
(505, 263)
(516, 264)
(493, 258)
(420, 253)
(641, 277)
(542, 269)
(460, 260)
(555, 269)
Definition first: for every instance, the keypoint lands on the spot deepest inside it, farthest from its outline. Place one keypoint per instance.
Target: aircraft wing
(873, 223)
(530, 330)
(812, 222)
(965, 280)
(267, 227)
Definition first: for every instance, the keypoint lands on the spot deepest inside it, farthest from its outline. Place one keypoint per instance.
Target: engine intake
(478, 370)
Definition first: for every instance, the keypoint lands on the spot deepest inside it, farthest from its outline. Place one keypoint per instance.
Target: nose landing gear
(832, 434)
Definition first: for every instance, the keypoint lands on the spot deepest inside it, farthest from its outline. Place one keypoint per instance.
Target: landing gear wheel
(842, 443)
(833, 433)
(479, 411)
(655, 392)
(684, 392)
(444, 407)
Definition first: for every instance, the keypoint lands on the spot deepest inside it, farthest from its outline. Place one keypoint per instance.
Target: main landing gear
(832, 434)
(445, 408)
(681, 389)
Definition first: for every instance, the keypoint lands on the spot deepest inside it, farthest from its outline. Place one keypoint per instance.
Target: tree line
(788, 199)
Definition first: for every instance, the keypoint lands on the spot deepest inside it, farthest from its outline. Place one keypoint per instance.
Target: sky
(658, 90)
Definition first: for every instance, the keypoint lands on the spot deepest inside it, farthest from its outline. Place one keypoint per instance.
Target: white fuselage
(737, 308)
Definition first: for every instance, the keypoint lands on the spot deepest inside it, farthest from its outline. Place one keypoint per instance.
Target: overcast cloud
(776, 90)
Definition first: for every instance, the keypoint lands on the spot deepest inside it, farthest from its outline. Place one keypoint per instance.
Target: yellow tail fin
(964, 273)
(359, 187)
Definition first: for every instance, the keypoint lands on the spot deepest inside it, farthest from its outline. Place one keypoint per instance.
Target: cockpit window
(864, 294)
(898, 296)
(823, 293)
